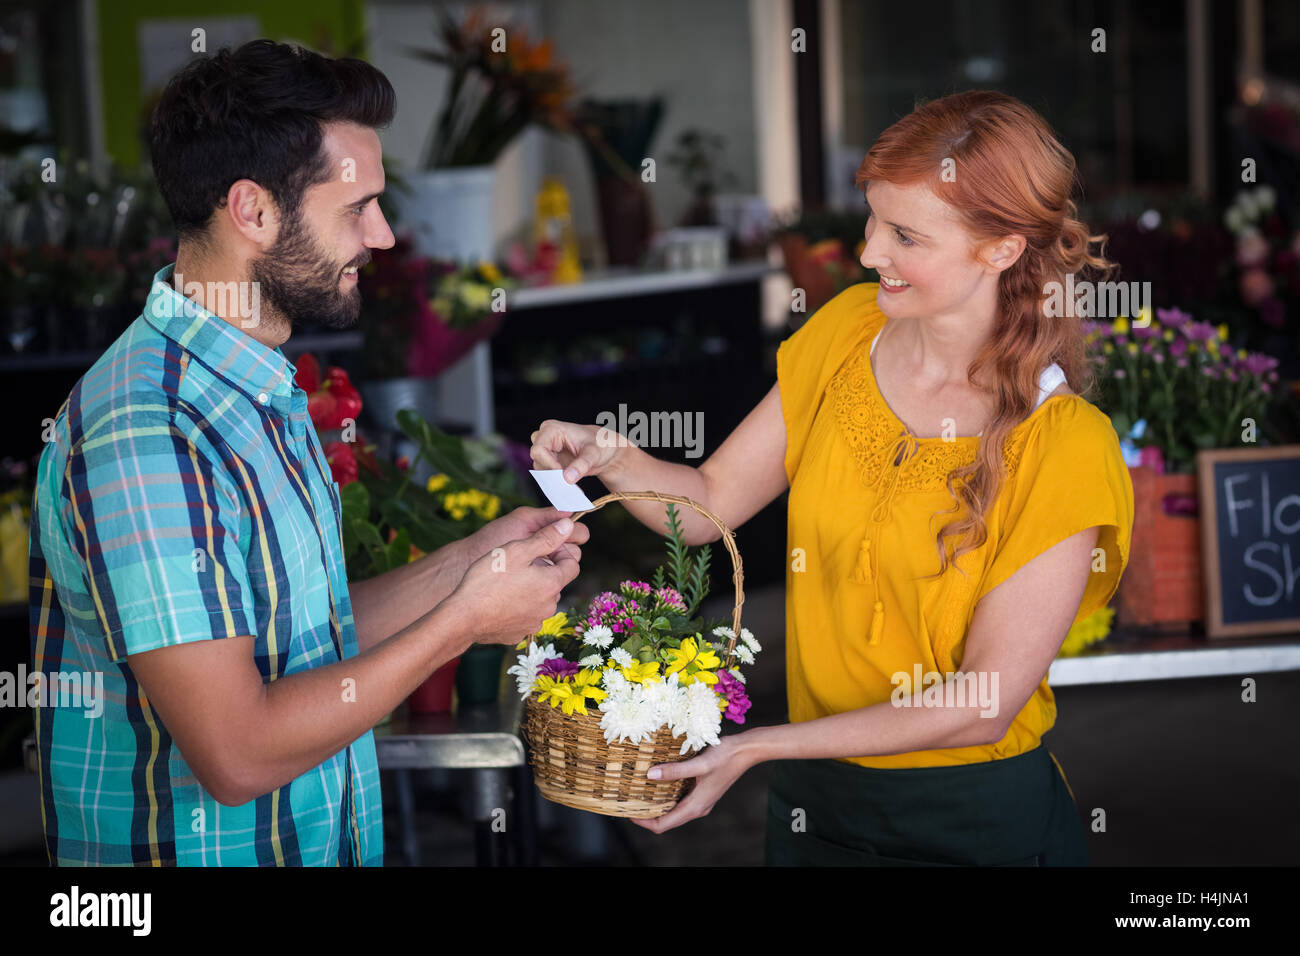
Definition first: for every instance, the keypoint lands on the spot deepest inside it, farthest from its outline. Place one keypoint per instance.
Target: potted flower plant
(426, 315)
(501, 82)
(1172, 386)
(388, 519)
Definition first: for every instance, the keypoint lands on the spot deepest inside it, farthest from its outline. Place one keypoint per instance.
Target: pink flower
(737, 700)
(1252, 250)
(1153, 458)
(1255, 286)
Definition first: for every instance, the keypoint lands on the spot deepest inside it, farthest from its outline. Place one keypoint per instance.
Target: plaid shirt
(185, 496)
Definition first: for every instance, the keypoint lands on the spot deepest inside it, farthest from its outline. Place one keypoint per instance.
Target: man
(185, 535)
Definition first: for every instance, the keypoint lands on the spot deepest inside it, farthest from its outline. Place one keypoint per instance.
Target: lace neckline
(869, 373)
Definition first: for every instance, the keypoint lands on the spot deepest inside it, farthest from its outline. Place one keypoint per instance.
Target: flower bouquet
(635, 680)
(1176, 385)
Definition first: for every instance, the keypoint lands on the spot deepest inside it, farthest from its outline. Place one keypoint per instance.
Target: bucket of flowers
(636, 680)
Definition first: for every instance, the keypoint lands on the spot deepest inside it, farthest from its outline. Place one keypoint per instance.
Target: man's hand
(524, 523)
(508, 592)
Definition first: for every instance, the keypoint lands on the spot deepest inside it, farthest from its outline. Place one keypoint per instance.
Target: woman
(955, 505)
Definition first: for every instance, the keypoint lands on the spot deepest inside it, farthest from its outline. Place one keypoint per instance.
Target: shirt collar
(265, 374)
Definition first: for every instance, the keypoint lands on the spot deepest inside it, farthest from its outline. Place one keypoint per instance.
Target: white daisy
(735, 672)
(592, 660)
(599, 635)
(703, 719)
(624, 716)
(744, 654)
(529, 663)
(749, 640)
(620, 657)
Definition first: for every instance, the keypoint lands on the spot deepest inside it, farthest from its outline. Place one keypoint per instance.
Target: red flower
(307, 377)
(343, 463)
(329, 402)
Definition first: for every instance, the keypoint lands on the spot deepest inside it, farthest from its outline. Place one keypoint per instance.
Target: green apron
(1017, 811)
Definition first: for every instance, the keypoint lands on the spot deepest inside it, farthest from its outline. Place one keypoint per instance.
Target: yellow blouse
(862, 532)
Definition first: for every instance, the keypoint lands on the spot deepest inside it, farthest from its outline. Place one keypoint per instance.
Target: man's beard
(296, 279)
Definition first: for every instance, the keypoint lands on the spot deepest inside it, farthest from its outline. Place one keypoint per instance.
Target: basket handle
(728, 539)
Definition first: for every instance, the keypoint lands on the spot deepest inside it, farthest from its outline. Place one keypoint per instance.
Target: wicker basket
(572, 763)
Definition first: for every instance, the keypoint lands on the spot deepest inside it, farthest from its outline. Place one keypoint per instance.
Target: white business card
(561, 494)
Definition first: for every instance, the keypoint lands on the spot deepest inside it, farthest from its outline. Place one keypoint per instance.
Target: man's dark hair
(255, 113)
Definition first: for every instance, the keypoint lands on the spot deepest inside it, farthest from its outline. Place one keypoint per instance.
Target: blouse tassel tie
(886, 485)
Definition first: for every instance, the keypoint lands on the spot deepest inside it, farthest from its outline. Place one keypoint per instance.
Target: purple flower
(1201, 331)
(558, 668)
(1147, 347)
(1182, 362)
(1178, 347)
(635, 587)
(1174, 318)
(1120, 373)
(1258, 364)
(1146, 331)
(734, 691)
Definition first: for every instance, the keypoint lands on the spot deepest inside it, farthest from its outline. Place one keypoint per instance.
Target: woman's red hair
(998, 164)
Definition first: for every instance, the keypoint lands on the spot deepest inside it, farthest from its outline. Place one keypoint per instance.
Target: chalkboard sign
(1250, 540)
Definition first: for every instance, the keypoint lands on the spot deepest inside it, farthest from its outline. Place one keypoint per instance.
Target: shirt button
(263, 397)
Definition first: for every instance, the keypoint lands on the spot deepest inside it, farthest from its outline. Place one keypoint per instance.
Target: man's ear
(1002, 254)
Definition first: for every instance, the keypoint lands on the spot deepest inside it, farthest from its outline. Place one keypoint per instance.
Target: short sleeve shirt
(184, 496)
(866, 603)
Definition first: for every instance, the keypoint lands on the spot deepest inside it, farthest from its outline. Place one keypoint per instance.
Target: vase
(626, 219)
(1161, 588)
(434, 695)
(381, 400)
(478, 679)
(450, 212)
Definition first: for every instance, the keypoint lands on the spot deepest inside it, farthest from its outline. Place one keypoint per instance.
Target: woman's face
(925, 257)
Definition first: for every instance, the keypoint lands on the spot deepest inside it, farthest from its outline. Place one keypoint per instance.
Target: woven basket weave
(572, 763)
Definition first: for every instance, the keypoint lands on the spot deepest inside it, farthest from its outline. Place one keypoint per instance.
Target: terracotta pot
(1161, 588)
(434, 695)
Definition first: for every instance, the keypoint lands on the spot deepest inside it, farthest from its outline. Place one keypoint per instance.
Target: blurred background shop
(670, 195)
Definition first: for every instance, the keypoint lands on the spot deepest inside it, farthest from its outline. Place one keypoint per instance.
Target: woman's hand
(714, 770)
(581, 450)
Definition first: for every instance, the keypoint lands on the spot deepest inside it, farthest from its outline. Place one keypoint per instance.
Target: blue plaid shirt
(185, 496)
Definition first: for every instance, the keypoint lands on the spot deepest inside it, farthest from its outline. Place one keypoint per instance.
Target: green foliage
(392, 504)
(690, 577)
